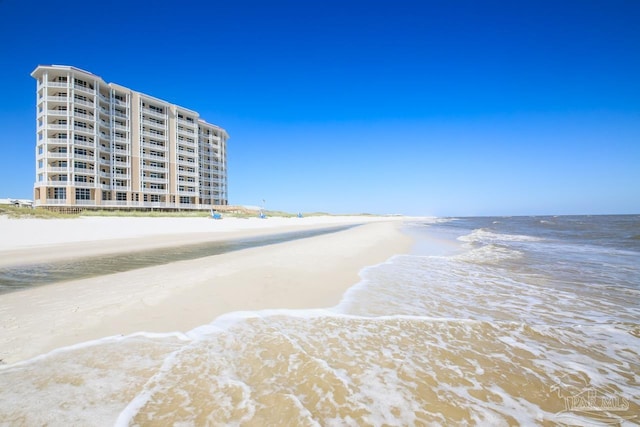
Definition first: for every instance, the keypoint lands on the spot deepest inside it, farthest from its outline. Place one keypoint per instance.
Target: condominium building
(103, 145)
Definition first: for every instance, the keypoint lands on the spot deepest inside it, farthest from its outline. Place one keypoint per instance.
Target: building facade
(103, 145)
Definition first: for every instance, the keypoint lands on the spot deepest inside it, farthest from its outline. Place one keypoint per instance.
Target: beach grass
(22, 212)
(41, 213)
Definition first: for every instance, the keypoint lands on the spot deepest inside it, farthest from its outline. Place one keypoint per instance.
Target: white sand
(306, 273)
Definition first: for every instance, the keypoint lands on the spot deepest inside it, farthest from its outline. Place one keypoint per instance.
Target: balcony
(57, 169)
(154, 157)
(90, 144)
(120, 139)
(120, 151)
(57, 141)
(119, 114)
(151, 123)
(84, 89)
(55, 126)
(84, 184)
(83, 157)
(83, 115)
(122, 163)
(58, 84)
(186, 173)
(121, 127)
(54, 155)
(154, 135)
(86, 103)
(59, 113)
(148, 179)
(154, 113)
(186, 131)
(87, 130)
(154, 168)
(154, 190)
(187, 143)
(63, 99)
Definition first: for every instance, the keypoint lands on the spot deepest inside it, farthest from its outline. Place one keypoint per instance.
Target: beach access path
(312, 272)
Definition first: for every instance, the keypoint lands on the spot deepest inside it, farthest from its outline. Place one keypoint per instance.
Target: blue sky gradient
(417, 107)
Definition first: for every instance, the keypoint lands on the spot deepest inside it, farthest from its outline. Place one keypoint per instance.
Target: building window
(155, 198)
(121, 197)
(40, 177)
(184, 200)
(83, 194)
(59, 193)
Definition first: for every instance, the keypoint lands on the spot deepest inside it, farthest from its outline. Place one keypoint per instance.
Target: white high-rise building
(103, 145)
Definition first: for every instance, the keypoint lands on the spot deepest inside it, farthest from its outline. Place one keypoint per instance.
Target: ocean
(493, 321)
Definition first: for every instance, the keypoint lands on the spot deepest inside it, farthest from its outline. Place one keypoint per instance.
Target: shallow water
(24, 276)
(521, 321)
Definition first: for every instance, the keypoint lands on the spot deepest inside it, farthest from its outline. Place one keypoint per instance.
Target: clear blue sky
(445, 107)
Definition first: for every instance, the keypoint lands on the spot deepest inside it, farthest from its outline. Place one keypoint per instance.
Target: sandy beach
(306, 273)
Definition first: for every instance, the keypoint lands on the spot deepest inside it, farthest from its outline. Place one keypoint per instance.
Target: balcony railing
(55, 126)
(148, 122)
(154, 113)
(58, 84)
(57, 98)
(83, 115)
(53, 155)
(153, 157)
(149, 179)
(154, 168)
(90, 144)
(154, 135)
(62, 113)
(86, 103)
(84, 184)
(155, 190)
(84, 89)
(87, 130)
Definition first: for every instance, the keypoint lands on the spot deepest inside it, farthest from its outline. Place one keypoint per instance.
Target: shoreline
(308, 273)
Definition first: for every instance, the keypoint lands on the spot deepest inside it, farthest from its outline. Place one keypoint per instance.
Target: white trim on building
(102, 144)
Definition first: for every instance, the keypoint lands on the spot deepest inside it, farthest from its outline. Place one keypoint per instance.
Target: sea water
(512, 321)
